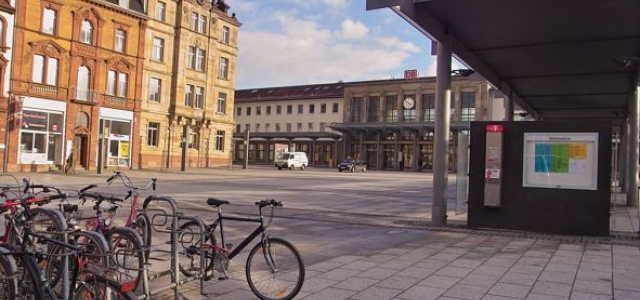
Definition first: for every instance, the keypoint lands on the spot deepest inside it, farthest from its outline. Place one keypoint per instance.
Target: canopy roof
(557, 59)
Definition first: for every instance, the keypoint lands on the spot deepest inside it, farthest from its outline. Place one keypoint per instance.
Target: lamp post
(7, 128)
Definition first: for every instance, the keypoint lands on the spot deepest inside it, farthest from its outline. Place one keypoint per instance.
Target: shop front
(41, 132)
(115, 135)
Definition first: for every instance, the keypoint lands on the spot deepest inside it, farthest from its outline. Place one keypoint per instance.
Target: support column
(508, 107)
(361, 147)
(632, 171)
(416, 152)
(245, 159)
(313, 152)
(380, 151)
(396, 154)
(441, 135)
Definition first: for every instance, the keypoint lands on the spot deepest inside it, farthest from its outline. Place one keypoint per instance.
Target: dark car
(352, 165)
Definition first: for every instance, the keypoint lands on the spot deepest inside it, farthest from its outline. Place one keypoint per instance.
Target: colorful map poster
(560, 160)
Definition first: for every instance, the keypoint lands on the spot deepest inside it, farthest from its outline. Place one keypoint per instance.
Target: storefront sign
(34, 120)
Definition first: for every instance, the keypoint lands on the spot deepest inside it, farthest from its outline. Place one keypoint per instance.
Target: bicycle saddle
(215, 202)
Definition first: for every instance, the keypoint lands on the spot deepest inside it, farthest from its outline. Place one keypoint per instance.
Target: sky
(298, 42)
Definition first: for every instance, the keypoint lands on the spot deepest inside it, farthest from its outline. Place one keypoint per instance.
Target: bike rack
(165, 210)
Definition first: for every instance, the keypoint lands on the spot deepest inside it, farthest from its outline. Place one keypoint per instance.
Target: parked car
(352, 165)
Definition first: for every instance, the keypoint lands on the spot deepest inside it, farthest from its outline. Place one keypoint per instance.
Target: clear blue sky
(293, 42)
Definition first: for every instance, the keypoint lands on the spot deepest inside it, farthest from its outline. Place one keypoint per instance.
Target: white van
(292, 160)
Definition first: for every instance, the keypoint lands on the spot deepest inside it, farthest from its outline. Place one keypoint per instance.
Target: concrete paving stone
(500, 262)
(464, 245)
(345, 259)
(338, 274)
(237, 295)
(494, 297)
(397, 264)
(331, 293)
(360, 265)
(626, 265)
(625, 251)
(533, 261)
(376, 293)
(420, 292)
(454, 272)
(314, 285)
(311, 273)
(466, 263)
(532, 296)
(568, 253)
(398, 282)
(558, 267)
(591, 266)
(552, 288)
(377, 273)
(565, 260)
(626, 274)
(628, 285)
(478, 254)
(519, 278)
(431, 263)
(415, 272)
(356, 284)
(572, 247)
(591, 275)
(413, 257)
(557, 277)
(538, 254)
(439, 281)
(588, 296)
(597, 259)
(528, 269)
(446, 257)
(510, 290)
(464, 291)
(490, 270)
(593, 287)
(509, 255)
(395, 251)
(598, 252)
(480, 279)
(324, 266)
(379, 258)
(226, 286)
(625, 295)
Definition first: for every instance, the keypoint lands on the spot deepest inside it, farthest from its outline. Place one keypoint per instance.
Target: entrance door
(80, 145)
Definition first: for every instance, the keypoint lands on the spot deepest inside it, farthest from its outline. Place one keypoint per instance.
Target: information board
(561, 160)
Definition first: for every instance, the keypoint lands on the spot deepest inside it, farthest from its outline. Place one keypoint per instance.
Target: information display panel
(561, 160)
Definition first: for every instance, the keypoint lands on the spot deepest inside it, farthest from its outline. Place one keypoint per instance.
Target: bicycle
(274, 268)
(27, 279)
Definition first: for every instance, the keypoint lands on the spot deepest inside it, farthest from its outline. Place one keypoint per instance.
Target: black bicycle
(274, 267)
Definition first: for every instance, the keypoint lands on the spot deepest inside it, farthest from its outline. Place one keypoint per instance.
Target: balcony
(118, 102)
(83, 95)
(43, 89)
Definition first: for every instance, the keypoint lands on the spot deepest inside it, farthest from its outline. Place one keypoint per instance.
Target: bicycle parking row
(59, 251)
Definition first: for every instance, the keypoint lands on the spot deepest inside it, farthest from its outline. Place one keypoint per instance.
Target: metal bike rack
(165, 207)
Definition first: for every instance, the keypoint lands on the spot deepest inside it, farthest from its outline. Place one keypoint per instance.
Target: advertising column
(116, 126)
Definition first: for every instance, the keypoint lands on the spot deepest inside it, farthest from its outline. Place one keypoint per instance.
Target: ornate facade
(7, 14)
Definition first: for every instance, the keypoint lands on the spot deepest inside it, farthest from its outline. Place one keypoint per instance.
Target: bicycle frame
(260, 230)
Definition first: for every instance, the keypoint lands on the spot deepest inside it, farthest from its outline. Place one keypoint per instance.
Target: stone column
(441, 136)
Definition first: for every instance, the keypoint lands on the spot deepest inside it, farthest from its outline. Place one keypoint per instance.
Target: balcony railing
(44, 89)
(83, 95)
(118, 102)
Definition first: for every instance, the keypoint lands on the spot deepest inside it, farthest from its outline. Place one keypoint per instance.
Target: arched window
(3, 33)
(83, 84)
(86, 32)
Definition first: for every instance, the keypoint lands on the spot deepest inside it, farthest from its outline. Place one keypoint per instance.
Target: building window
(193, 140)
(199, 97)
(158, 49)
(246, 127)
(86, 32)
(49, 21)
(203, 25)
(468, 106)
(323, 108)
(117, 84)
(289, 109)
(428, 106)
(257, 127)
(278, 110)
(268, 109)
(45, 70)
(299, 126)
(194, 21)
(258, 110)
(222, 103)
(83, 83)
(121, 41)
(238, 128)
(310, 126)
(239, 111)
(153, 134)
(357, 109)
(267, 127)
(312, 108)
(219, 140)
(278, 127)
(248, 110)
(191, 57)
(225, 34)
(288, 126)
(155, 86)
(300, 108)
(161, 10)
(224, 68)
(335, 108)
(391, 109)
(373, 109)
(188, 95)
(200, 60)
(323, 127)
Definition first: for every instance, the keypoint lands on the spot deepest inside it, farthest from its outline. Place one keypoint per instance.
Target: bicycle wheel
(94, 245)
(8, 268)
(189, 258)
(275, 270)
(101, 290)
(126, 244)
(27, 275)
(143, 226)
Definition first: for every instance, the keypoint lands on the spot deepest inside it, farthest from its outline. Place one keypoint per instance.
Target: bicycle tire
(8, 268)
(289, 270)
(95, 289)
(27, 274)
(189, 258)
(127, 247)
(142, 225)
(93, 243)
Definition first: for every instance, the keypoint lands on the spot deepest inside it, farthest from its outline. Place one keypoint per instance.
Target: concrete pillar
(313, 152)
(380, 151)
(400, 106)
(419, 109)
(396, 154)
(416, 151)
(441, 135)
(508, 107)
(632, 171)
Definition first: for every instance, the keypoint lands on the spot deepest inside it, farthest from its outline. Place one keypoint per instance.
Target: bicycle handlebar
(100, 197)
(267, 202)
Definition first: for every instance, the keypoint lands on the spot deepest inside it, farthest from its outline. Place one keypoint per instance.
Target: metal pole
(7, 129)
(245, 162)
(100, 150)
(441, 135)
(632, 175)
(185, 134)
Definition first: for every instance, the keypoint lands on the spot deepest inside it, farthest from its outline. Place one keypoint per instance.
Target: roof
(312, 91)
(569, 59)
